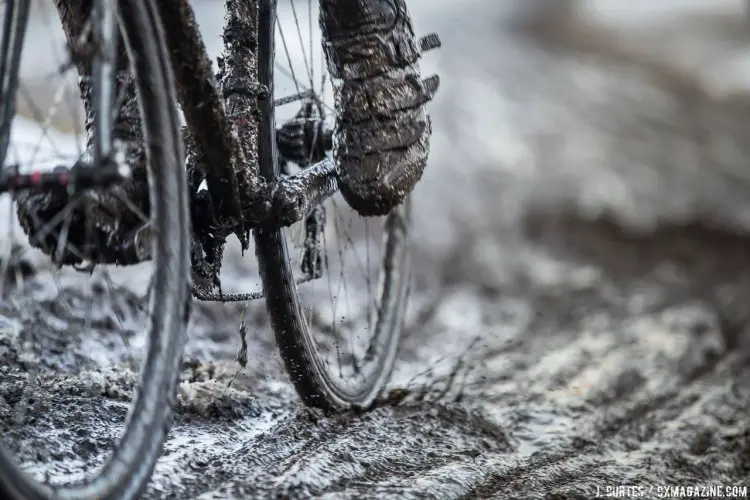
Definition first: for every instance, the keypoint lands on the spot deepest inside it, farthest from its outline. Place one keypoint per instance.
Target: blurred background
(616, 103)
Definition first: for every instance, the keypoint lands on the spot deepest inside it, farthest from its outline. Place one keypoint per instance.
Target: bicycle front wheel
(336, 284)
(88, 228)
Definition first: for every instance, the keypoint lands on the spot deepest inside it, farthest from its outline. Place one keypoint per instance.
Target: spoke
(318, 98)
(57, 219)
(302, 43)
(310, 32)
(130, 205)
(60, 248)
(45, 122)
(302, 96)
(36, 115)
(288, 55)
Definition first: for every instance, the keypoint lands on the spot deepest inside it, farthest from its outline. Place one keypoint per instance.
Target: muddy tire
(129, 467)
(344, 381)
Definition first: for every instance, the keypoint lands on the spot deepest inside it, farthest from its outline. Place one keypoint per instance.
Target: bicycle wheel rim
(130, 465)
(310, 373)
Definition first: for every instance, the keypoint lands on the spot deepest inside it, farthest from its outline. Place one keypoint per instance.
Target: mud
(578, 320)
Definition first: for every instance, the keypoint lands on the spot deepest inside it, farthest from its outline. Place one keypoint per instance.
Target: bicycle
(146, 190)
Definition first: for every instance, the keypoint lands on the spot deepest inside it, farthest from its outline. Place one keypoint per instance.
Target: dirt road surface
(581, 293)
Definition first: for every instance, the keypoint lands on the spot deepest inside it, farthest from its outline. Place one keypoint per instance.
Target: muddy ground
(580, 316)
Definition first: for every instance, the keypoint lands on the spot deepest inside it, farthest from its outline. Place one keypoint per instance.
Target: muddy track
(574, 382)
(571, 328)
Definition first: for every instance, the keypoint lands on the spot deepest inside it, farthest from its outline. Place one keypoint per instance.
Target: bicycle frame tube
(105, 31)
(243, 196)
(211, 143)
(267, 152)
(16, 19)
